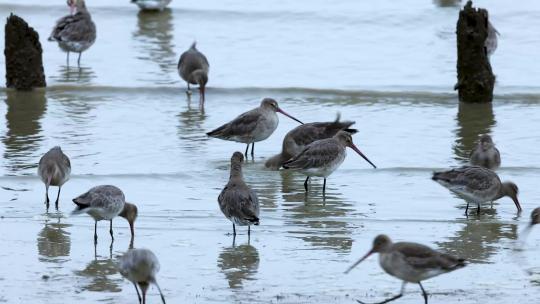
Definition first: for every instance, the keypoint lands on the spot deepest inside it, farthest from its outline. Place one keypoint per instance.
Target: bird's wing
(241, 125)
(315, 155)
(74, 28)
(420, 256)
(239, 201)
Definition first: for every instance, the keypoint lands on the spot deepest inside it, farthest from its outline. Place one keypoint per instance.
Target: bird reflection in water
(191, 122)
(75, 75)
(54, 242)
(239, 263)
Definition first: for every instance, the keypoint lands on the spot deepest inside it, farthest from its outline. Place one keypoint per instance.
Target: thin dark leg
(95, 233)
(467, 209)
(249, 230)
(111, 232)
(478, 210)
(424, 293)
(305, 183)
(137, 290)
(233, 229)
(389, 299)
(324, 186)
(252, 149)
(144, 296)
(160, 293)
(47, 196)
(57, 197)
(247, 149)
(79, 60)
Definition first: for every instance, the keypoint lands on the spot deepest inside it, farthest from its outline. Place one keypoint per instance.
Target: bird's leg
(467, 209)
(58, 197)
(247, 149)
(79, 60)
(252, 149)
(67, 59)
(47, 196)
(111, 232)
(234, 230)
(160, 293)
(390, 299)
(324, 187)
(305, 183)
(491, 204)
(138, 294)
(424, 293)
(188, 92)
(95, 233)
(478, 210)
(144, 288)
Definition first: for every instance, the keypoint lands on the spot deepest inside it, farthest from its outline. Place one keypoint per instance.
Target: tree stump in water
(475, 78)
(24, 65)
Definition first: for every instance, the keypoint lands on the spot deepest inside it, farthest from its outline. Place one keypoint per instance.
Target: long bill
(518, 206)
(359, 261)
(202, 90)
(362, 154)
(284, 113)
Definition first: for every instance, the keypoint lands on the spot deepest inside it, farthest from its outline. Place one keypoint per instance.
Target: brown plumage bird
(193, 68)
(237, 201)
(75, 32)
(410, 262)
(54, 169)
(298, 138)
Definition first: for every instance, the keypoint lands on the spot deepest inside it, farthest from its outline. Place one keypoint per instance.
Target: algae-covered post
(475, 78)
(24, 65)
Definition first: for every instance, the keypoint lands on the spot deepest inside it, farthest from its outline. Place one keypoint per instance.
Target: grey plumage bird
(477, 185)
(298, 138)
(252, 126)
(410, 262)
(104, 203)
(486, 154)
(491, 40)
(237, 201)
(75, 32)
(54, 169)
(322, 157)
(140, 266)
(193, 68)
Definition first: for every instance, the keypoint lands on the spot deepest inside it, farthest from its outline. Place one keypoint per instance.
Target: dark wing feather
(420, 256)
(472, 177)
(74, 28)
(237, 200)
(241, 125)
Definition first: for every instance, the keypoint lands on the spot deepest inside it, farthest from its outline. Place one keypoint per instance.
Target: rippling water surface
(124, 119)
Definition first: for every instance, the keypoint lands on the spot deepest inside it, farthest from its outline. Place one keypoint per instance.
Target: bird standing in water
(237, 201)
(322, 157)
(140, 266)
(252, 126)
(410, 262)
(75, 32)
(193, 68)
(54, 169)
(486, 154)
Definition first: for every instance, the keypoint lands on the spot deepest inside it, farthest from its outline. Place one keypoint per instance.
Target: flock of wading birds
(315, 149)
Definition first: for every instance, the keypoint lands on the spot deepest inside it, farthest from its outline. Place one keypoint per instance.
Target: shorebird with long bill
(298, 138)
(410, 262)
(54, 169)
(238, 202)
(252, 126)
(193, 68)
(75, 32)
(477, 185)
(140, 266)
(322, 157)
(104, 203)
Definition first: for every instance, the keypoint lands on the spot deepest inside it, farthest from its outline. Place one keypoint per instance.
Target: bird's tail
(81, 207)
(193, 45)
(254, 220)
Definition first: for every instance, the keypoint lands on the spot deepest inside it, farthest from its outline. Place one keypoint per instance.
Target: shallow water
(124, 119)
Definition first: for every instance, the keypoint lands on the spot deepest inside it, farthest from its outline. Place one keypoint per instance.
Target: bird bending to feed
(485, 154)
(410, 262)
(193, 68)
(140, 266)
(252, 126)
(105, 203)
(298, 138)
(477, 185)
(75, 32)
(491, 40)
(237, 201)
(324, 156)
(54, 169)
(151, 5)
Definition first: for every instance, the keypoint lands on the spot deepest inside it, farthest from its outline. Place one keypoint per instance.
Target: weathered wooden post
(475, 78)
(24, 65)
